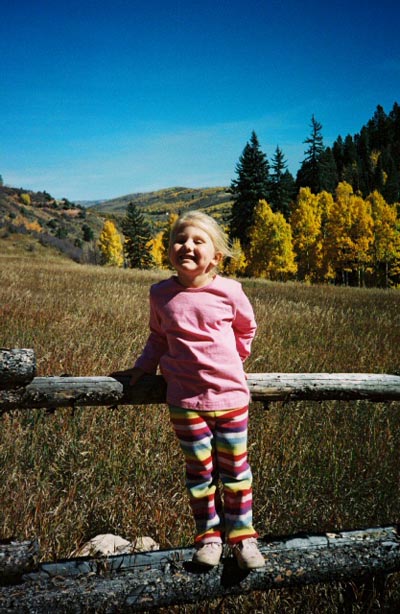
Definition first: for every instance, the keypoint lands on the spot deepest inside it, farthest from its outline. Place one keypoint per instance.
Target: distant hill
(73, 228)
(59, 224)
(157, 204)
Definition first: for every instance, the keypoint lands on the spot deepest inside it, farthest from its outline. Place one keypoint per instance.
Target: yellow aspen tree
(110, 245)
(167, 231)
(26, 199)
(270, 254)
(35, 226)
(305, 221)
(236, 265)
(325, 271)
(157, 249)
(386, 241)
(349, 235)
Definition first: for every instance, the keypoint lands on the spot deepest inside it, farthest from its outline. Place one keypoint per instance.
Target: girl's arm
(156, 344)
(244, 325)
(134, 373)
(155, 347)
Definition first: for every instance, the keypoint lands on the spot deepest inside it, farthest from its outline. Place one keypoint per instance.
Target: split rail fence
(147, 580)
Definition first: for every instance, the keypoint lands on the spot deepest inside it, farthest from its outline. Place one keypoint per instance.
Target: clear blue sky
(103, 98)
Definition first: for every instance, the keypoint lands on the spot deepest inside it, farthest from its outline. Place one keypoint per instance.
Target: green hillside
(171, 200)
(73, 229)
(37, 219)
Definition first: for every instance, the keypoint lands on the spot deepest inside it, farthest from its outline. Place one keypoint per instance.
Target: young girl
(201, 329)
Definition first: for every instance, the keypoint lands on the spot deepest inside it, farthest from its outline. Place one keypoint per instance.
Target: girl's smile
(193, 255)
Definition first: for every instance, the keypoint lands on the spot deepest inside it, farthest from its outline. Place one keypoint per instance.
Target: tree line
(337, 221)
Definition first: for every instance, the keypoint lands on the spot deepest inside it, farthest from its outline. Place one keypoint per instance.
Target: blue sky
(99, 99)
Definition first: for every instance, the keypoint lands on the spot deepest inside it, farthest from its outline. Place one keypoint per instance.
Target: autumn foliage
(110, 245)
(342, 238)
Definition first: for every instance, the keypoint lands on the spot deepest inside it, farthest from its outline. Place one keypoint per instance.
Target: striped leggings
(214, 444)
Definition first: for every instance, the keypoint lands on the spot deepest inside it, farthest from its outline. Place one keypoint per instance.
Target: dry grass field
(71, 474)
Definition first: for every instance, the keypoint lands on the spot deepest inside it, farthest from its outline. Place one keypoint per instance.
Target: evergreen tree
(338, 154)
(350, 173)
(391, 177)
(282, 185)
(371, 159)
(363, 149)
(394, 118)
(251, 186)
(378, 128)
(309, 174)
(137, 238)
(88, 234)
(328, 175)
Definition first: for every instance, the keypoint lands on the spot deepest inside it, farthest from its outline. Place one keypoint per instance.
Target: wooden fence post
(17, 367)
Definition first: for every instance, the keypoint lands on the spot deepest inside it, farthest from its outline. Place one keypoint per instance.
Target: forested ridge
(336, 221)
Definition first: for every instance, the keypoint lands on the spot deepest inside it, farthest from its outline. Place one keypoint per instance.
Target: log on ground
(137, 582)
(17, 558)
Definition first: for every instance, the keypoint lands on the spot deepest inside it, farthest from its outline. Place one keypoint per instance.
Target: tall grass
(68, 475)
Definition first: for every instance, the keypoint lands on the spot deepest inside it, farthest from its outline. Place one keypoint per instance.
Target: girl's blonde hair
(207, 224)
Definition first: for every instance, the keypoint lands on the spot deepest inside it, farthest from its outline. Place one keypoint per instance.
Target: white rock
(107, 543)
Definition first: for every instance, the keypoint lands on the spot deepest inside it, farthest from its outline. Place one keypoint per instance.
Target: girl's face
(192, 254)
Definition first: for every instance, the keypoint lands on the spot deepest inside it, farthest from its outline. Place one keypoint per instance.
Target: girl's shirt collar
(194, 289)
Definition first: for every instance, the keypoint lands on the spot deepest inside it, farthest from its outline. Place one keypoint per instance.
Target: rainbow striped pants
(214, 444)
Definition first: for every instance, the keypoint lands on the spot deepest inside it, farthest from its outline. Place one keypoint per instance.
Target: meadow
(70, 474)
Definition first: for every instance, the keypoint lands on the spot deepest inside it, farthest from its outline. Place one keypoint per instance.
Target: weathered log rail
(136, 582)
(143, 581)
(52, 392)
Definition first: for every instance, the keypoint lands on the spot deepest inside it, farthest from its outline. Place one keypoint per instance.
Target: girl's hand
(135, 373)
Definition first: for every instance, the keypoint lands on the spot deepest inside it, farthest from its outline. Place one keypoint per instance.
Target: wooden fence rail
(137, 582)
(67, 391)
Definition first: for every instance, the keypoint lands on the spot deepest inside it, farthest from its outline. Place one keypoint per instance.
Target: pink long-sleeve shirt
(200, 337)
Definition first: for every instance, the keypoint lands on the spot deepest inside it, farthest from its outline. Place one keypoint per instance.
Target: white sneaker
(208, 554)
(247, 554)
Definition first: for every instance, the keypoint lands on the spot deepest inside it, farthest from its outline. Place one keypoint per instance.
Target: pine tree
(110, 245)
(338, 154)
(251, 186)
(328, 171)
(378, 128)
(282, 185)
(88, 234)
(137, 234)
(365, 173)
(351, 167)
(318, 170)
(371, 159)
